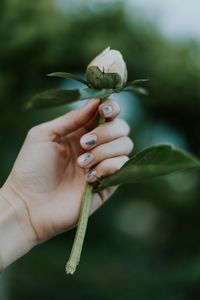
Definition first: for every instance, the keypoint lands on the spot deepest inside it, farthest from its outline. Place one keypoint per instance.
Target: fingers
(92, 123)
(75, 119)
(72, 120)
(118, 147)
(79, 117)
(104, 133)
(106, 167)
(107, 145)
(109, 109)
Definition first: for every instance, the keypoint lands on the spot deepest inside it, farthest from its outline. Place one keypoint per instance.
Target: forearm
(15, 236)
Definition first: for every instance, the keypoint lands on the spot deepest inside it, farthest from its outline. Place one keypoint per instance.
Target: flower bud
(107, 70)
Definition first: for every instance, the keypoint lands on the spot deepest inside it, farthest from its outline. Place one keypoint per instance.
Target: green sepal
(137, 81)
(68, 76)
(135, 89)
(101, 80)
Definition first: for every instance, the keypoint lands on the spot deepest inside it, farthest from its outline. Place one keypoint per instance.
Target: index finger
(109, 109)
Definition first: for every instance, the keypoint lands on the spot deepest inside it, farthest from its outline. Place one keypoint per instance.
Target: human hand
(47, 181)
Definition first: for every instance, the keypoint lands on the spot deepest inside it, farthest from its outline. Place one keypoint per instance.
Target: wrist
(16, 235)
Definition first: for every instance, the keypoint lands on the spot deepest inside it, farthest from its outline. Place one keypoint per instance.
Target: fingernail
(91, 175)
(88, 140)
(85, 159)
(107, 110)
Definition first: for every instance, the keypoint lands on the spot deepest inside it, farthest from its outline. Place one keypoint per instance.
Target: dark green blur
(144, 243)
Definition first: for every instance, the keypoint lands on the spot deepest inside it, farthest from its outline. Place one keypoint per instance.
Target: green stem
(82, 223)
(81, 230)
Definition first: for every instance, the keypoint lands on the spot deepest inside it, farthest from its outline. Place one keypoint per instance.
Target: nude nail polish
(85, 159)
(91, 175)
(107, 110)
(88, 140)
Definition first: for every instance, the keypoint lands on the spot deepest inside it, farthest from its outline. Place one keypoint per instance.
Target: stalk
(81, 230)
(82, 222)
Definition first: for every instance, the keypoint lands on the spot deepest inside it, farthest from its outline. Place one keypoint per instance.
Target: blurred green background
(145, 242)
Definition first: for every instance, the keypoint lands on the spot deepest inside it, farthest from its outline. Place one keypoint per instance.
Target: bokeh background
(144, 243)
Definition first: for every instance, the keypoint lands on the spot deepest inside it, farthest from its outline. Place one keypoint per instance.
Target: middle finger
(117, 147)
(104, 133)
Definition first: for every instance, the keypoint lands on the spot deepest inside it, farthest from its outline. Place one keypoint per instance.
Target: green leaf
(137, 81)
(89, 93)
(68, 76)
(151, 162)
(135, 89)
(132, 86)
(53, 98)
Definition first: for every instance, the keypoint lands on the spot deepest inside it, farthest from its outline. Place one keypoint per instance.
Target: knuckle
(129, 143)
(116, 168)
(117, 106)
(97, 153)
(33, 131)
(123, 125)
(106, 168)
(38, 131)
(105, 130)
(124, 159)
(110, 166)
(110, 130)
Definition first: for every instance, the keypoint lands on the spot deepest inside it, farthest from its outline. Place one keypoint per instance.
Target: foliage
(149, 163)
(145, 243)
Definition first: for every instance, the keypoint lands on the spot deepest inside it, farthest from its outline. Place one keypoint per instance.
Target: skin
(45, 186)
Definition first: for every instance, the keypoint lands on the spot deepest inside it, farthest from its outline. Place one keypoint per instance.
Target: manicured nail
(91, 175)
(85, 159)
(107, 110)
(88, 140)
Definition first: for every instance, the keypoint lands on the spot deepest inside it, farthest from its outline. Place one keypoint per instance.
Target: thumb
(74, 119)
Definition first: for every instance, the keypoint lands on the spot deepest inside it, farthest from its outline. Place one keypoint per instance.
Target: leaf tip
(144, 91)
(27, 106)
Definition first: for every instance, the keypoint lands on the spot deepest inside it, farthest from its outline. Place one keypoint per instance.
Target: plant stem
(82, 223)
(81, 230)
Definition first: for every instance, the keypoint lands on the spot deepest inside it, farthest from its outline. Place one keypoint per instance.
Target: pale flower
(107, 70)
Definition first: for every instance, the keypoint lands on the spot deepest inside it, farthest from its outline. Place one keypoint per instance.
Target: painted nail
(85, 159)
(88, 140)
(91, 175)
(107, 110)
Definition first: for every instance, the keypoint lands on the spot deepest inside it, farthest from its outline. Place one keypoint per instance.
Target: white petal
(110, 61)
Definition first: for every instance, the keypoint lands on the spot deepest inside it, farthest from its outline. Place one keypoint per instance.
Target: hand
(46, 184)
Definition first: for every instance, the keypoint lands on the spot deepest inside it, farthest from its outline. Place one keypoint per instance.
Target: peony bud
(107, 70)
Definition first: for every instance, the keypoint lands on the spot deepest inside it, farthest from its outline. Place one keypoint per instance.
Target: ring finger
(117, 147)
(104, 133)
(106, 167)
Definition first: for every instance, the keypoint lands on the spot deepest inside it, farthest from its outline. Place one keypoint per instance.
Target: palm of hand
(46, 179)
(52, 187)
